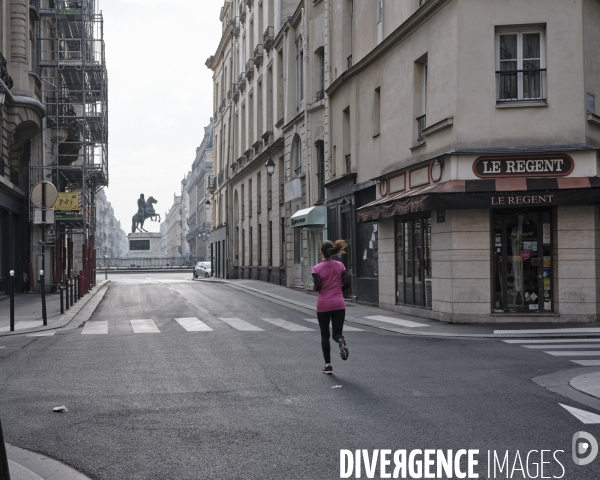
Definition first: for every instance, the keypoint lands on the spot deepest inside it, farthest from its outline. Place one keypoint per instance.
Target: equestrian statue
(145, 210)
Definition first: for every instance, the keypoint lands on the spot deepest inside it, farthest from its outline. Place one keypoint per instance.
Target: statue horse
(137, 222)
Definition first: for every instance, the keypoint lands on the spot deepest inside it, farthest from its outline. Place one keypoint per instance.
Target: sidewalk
(410, 325)
(28, 311)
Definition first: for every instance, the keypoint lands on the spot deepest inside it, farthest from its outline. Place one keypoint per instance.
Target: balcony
(421, 125)
(221, 176)
(521, 86)
(268, 37)
(229, 94)
(250, 68)
(242, 81)
(242, 12)
(348, 163)
(258, 55)
(220, 109)
(4, 76)
(349, 59)
(320, 94)
(235, 92)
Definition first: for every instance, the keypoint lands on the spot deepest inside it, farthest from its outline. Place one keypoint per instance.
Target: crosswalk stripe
(587, 363)
(398, 321)
(292, 327)
(575, 354)
(549, 330)
(95, 328)
(192, 324)
(556, 340)
(593, 345)
(347, 328)
(145, 325)
(241, 325)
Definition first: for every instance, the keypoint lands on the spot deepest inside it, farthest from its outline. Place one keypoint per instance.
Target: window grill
(348, 163)
(421, 122)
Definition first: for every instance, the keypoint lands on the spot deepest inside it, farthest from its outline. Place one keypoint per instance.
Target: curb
(402, 331)
(25, 464)
(66, 318)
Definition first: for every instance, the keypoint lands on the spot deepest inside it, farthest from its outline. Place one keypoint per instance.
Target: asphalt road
(231, 404)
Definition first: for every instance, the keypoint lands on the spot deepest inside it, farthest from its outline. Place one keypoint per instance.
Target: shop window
(522, 265)
(413, 262)
(367, 249)
(520, 66)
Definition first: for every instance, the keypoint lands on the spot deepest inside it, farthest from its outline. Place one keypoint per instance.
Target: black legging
(337, 325)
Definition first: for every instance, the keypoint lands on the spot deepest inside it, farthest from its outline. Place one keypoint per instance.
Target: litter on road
(337, 386)
(61, 409)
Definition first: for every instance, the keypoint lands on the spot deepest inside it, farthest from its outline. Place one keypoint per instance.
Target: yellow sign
(67, 201)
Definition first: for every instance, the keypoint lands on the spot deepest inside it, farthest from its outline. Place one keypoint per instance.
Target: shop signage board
(494, 166)
(67, 201)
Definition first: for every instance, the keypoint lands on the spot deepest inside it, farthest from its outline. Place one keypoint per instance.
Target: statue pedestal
(144, 245)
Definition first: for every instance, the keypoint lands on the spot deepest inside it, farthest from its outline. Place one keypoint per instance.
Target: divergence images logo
(588, 446)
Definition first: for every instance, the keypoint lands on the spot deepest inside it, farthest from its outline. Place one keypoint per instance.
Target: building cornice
(23, 101)
(210, 61)
(423, 14)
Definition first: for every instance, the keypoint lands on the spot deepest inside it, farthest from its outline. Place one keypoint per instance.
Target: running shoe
(328, 369)
(344, 353)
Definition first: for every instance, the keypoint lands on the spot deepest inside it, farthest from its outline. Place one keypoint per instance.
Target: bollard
(43, 288)
(66, 287)
(71, 288)
(77, 288)
(12, 300)
(62, 306)
(4, 473)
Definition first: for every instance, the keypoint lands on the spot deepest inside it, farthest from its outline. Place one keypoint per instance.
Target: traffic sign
(43, 194)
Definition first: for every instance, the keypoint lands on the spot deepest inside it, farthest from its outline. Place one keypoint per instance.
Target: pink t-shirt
(330, 295)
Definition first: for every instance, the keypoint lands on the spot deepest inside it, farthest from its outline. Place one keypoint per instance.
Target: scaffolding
(74, 87)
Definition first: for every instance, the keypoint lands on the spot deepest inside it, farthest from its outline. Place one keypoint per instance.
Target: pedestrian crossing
(577, 350)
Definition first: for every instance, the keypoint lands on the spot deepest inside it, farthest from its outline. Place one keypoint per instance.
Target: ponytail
(331, 249)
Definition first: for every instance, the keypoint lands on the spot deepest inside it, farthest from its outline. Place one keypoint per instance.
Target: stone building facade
(269, 109)
(175, 237)
(110, 239)
(199, 212)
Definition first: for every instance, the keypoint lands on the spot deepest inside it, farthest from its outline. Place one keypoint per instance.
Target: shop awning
(313, 216)
(488, 193)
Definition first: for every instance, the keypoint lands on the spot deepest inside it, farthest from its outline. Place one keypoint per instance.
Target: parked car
(202, 269)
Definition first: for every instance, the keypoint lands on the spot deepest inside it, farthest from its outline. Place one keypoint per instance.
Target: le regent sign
(494, 166)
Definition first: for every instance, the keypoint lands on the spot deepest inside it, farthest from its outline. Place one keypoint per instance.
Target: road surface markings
(549, 347)
(591, 353)
(292, 327)
(347, 328)
(95, 328)
(556, 340)
(144, 326)
(241, 325)
(586, 417)
(192, 324)
(42, 334)
(587, 363)
(550, 330)
(398, 321)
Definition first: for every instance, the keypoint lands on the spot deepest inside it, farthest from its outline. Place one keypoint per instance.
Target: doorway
(522, 265)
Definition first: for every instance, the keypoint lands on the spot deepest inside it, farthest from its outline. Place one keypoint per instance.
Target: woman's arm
(316, 282)
(345, 280)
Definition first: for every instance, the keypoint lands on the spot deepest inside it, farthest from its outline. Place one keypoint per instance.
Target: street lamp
(270, 166)
(2, 94)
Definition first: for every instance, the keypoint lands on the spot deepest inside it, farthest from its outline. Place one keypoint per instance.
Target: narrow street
(179, 379)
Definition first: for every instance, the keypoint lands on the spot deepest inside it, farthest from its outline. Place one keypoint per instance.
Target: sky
(160, 96)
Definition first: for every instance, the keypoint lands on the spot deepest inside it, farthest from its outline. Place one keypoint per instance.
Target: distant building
(110, 239)
(174, 229)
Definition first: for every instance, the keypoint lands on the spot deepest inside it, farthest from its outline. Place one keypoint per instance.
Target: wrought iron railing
(235, 92)
(221, 178)
(349, 60)
(521, 86)
(268, 37)
(4, 76)
(421, 125)
(258, 54)
(250, 68)
(348, 163)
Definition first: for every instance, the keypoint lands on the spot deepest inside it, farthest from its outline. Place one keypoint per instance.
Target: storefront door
(522, 267)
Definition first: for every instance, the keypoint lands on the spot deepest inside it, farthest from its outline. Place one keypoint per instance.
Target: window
(258, 193)
(297, 155)
(520, 66)
(282, 246)
(270, 246)
(376, 111)
(379, 20)
(413, 262)
(321, 171)
(250, 252)
(259, 245)
(299, 72)
(321, 73)
(297, 245)
(420, 99)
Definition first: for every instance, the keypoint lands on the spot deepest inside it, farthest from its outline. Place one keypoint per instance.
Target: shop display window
(522, 262)
(413, 262)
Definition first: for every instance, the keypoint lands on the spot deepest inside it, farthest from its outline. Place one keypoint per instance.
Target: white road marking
(144, 326)
(398, 321)
(575, 354)
(95, 328)
(192, 324)
(587, 363)
(551, 330)
(586, 417)
(292, 327)
(42, 334)
(347, 328)
(556, 340)
(593, 345)
(24, 324)
(241, 325)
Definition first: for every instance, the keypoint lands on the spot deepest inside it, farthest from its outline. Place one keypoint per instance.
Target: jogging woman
(330, 278)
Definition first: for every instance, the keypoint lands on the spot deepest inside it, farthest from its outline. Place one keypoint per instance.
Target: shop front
(515, 241)
(310, 221)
